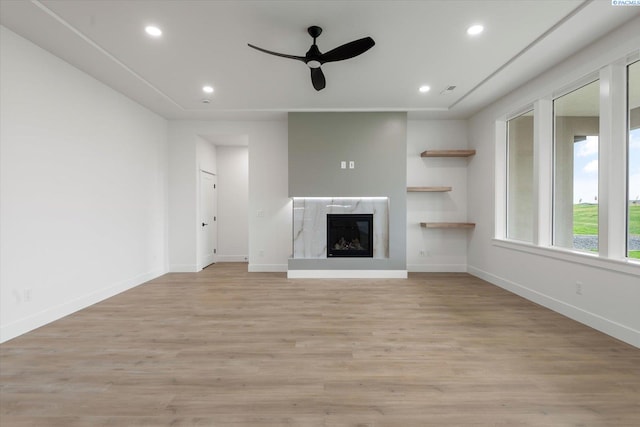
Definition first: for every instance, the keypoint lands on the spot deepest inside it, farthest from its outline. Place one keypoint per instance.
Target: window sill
(626, 266)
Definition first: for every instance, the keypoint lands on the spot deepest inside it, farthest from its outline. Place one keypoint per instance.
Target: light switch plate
(343, 164)
(352, 164)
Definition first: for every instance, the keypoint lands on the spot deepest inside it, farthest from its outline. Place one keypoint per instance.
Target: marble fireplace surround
(310, 223)
(310, 235)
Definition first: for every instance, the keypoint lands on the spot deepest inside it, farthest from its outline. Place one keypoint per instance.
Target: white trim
(614, 329)
(183, 268)
(543, 162)
(500, 179)
(232, 258)
(104, 52)
(578, 83)
(626, 266)
(267, 268)
(437, 268)
(51, 314)
(520, 112)
(567, 75)
(347, 274)
(526, 49)
(341, 198)
(612, 175)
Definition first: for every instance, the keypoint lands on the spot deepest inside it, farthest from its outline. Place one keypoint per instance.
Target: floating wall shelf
(447, 225)
(443, 153)
(428, 189)
(448, 153)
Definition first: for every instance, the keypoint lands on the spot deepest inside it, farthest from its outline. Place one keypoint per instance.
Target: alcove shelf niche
(448, 153)
(428, 189)
(463, 225)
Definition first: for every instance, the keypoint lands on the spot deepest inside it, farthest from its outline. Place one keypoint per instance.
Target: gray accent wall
(377, 143)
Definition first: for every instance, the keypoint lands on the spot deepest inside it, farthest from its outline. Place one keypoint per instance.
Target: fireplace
(349, 235)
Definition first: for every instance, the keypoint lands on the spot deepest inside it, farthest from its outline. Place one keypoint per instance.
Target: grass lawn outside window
(585, 223)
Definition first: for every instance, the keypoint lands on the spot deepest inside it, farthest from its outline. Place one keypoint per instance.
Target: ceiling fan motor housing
(314, 31)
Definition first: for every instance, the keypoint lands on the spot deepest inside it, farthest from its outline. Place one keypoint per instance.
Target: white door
(208, 219)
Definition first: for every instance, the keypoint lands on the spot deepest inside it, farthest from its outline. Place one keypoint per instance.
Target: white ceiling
(417, 42)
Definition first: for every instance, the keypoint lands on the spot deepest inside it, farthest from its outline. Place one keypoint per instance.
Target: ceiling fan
(314, 58)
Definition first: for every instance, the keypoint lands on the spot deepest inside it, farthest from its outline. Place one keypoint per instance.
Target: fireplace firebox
(349, 235)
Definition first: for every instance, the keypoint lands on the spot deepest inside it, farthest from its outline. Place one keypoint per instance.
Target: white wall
(206, 155)
(233, 204)
(83, 189)
(611, 290)
(183, 193)
(269, 204)
(436, 249)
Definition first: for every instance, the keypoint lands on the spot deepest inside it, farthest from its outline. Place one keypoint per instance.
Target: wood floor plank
(226, 347)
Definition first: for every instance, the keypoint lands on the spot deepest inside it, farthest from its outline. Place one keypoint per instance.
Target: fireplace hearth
(349, 235)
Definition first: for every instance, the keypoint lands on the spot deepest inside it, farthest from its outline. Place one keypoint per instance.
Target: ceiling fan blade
(348, 50)
(284, 55)
(317, 78)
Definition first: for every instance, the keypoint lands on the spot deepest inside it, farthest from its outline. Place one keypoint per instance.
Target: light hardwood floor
(229, 348)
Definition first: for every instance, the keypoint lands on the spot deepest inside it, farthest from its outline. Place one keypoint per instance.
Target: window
(554, 160)
(633, 169)
(575, 189)
(520, 178)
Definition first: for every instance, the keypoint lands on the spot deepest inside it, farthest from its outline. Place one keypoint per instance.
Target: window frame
(630, 61)
(523, 111)
(575, 86)
(613, 222)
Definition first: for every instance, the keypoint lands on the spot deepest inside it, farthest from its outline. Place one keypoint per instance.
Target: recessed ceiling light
(153, 31)
(207, 89)
(424, 89)
(474, 30)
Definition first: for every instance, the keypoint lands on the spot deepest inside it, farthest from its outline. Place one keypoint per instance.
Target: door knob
(204, 223)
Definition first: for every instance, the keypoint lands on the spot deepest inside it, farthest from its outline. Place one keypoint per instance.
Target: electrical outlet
(578, 288)
(422, 253)
(343, 164)
(27, 295)
(352, 164)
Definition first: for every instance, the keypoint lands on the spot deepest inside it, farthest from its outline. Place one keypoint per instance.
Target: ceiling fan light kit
(314, 58)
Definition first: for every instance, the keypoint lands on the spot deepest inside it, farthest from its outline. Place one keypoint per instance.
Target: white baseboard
(616, 330)
(34, 321)
(232, 258)
(267, 268)
(437, 268)
(183, 268)
(347, 274)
